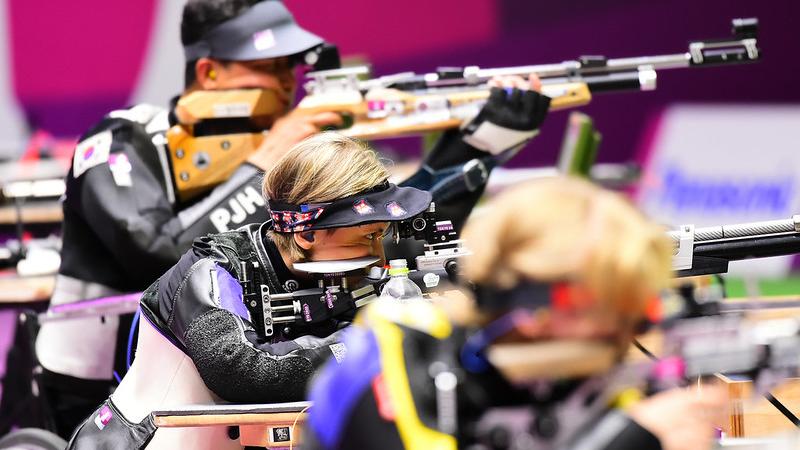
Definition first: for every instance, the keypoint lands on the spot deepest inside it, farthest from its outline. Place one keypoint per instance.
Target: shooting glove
(510, 118)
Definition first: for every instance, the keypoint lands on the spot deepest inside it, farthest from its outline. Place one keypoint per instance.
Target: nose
(377, 250)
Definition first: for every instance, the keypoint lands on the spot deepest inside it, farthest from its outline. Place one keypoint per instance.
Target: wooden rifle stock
(201, 162)
(408, 113)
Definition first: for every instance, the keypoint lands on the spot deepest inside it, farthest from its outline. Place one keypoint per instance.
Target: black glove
(510, 117)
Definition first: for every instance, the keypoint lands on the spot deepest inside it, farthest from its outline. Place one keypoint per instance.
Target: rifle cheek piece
(219, 129)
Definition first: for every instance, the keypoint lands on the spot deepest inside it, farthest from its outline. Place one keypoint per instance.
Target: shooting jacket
(389, 394)
(122, 229)
(198, 309)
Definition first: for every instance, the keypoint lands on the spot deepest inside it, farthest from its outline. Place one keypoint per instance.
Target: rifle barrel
(708, 250)
(96, 307)
(743, 230)
(675, 61)
(750, 247)
(575, 71)
(741, 48)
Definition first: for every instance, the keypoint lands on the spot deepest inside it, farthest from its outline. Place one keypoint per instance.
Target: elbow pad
(238, 371)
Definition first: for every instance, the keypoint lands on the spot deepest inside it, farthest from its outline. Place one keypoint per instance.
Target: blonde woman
(563, 272)
(201, 342)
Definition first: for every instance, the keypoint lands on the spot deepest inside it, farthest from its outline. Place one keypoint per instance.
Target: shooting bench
(275, 425)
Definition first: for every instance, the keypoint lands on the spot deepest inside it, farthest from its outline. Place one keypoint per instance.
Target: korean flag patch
(394, 209)
(263, 39)
(121, 168)
(103, 417)
(91, 152)
(362, 207)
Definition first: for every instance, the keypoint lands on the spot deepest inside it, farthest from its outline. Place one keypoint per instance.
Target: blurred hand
(683, 419)
(515, 81)
(288, 131)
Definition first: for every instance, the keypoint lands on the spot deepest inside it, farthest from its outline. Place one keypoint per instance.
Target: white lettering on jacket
(240, 206)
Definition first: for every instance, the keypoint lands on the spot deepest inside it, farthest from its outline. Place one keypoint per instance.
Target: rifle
(708, 250)
(409, 103)
(767, 352)
(112, 305)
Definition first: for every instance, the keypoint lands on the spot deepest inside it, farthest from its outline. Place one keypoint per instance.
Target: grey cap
(266, 30)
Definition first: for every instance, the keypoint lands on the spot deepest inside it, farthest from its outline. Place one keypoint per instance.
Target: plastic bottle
(399, 289)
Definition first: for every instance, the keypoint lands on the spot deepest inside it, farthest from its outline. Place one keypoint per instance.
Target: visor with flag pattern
(385, 202)
(266, 30)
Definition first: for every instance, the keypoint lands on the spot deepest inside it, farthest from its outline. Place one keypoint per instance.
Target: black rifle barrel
(741, 48)
(750, 247)
(742, 230)
(714, 247)
(576, 71)
(636, 80)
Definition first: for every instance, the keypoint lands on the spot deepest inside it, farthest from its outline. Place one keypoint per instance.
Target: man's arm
(458, 167)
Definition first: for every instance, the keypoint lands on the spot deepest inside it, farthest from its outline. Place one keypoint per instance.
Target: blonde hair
(321, 168)
(566, 229)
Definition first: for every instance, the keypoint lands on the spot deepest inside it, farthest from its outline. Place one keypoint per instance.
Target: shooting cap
(266, 30)
(385, 202)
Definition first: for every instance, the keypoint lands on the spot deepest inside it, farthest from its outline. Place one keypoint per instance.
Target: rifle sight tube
(574, 71)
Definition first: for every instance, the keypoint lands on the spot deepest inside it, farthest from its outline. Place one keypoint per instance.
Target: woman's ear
(304, 239)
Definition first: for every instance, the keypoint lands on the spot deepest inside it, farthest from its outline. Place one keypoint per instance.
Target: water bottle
(399, 289)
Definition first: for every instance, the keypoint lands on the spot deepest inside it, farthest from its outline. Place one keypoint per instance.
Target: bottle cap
(398, 267)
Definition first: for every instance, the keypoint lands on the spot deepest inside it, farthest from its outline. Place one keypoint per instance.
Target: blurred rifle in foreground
(708, 250)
